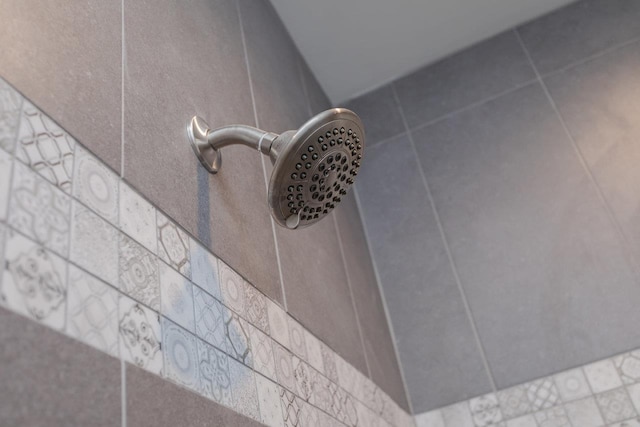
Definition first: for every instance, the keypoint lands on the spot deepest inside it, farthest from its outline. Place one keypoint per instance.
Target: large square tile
(376, 335)
(6, 169)
(316, 283)
(418, 282)
(78, 86)
(228, 210)
(151, 400)
(380, 114)
(600, 103)
(522, 219)
(214, 381)
(580, 30)
(180, 351)
(45, 378)
(473, 75)
(138, 276)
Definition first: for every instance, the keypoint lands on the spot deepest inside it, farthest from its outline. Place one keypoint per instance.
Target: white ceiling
(354, 46)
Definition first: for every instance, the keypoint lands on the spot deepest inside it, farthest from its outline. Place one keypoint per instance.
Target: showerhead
(313, 167)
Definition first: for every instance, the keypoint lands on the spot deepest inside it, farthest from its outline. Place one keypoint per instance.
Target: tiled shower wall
(501, 197)
(122, 79)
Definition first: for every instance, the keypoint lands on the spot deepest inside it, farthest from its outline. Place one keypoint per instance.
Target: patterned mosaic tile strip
(103, 265)
(601, 394)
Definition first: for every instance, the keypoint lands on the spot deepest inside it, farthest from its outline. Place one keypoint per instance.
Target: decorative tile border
(85, 254)
(601, 394)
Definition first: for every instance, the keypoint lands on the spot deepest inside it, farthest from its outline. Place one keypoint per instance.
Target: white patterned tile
(524, 421)
(40, 210)
(514, 402)
(233, 288)
(347, 374)
(552, 417)
(430, 419)
(176, 297)
(291, 408)
(215, 382)
(6, 168)
(269, 402)
(173, 245)
(628, 366)
(278, 324)
(256, 309)
(296, 338)
(345, 409)
(140, 335)
(329, 362)
(139, 276)
(309, 416)
(204, 269)
(3, 238)
(262, 349)
(542, 394)
(457, 415)
(584, 413)
(485, 410)
(238, 340)
(321, 396)
(92, 311)
(45, 147)
(284, 367)
(34, 281)
(137, 217)
(302, 374)
(572, 385)
(602, 376)
(243, 390)
(10, 107)
(95, 185)
(209, 320)
(94, 244)
(634, 394)
(180, 355)
(314, 351)
(616, 405)
(635, 422)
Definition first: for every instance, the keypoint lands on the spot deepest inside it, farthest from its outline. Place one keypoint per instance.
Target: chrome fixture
(313, 167)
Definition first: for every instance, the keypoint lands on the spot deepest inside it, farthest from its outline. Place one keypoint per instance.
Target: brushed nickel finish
(313, 167)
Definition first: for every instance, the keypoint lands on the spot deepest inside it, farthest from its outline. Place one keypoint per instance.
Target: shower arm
(208, 142)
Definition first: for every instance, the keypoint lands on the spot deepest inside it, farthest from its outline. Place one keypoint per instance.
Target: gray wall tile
(600, 104)
(531, 239)
(378, 343)
(77, 85)
(318, 100)
(317, 290)
(275, 73)
(380, 114)
(580, 30)
(475, 74)
(152, 400)
(231, 206)
(49, 379)
(438, 352)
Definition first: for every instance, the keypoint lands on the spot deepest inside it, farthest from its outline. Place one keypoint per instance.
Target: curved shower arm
(207, 142)
(243, 135)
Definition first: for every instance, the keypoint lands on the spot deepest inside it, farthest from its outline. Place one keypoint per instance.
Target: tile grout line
(264, 167)
(122, 65)
(590, 58)
(353, 301)
(304, 87)
(384, 301)
(123, 391)
(594, 182)
(445, 242)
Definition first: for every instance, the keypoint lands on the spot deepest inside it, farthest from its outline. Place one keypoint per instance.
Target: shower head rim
(303, 134)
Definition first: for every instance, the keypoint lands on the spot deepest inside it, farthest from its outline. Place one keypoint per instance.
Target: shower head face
(315, 167)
